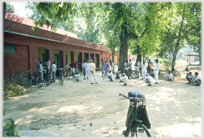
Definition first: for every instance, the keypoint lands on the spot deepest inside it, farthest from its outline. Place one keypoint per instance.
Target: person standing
(111, 66)
(144, 70)
(126, 68)
(87, 69)
(41, 69)
(92, 68)
(53, 71)
(156, 71)
(47, 64)
(140, 68)
(102, 67)
(148, 68)
(106, 68)
(130, 67)
(118, 64)
(83, 68)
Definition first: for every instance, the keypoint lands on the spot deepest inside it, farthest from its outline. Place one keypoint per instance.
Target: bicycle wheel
(26, 81)
(47, 80)
(133, 75)
(139, 130)
(39, 82)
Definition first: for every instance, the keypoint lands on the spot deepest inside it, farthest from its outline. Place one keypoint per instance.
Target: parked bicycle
(135, 122)
(61, 77)
(33, 79)
(47, 78)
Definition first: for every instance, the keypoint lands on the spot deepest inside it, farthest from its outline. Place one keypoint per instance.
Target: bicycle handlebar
(133, 98)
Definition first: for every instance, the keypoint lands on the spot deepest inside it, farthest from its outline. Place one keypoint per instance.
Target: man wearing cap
(149, 80)
(92, 68)
(189, 77)
(124, 79)
(156, 71)
(110, 76)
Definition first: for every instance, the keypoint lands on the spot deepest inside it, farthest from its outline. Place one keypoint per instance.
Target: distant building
(23, 47)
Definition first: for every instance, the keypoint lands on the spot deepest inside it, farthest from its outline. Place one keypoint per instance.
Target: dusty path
(174, 108)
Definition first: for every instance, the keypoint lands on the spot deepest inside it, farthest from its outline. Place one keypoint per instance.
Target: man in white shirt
(156, 71)
(196, 80)
(41, 70)
(149, 80)
(92, 68)
(86, 65)
(126, 68)
(77, 76)
(47, 64)
(124, 79)
(169, 76)
(144, 70)
(110, 76)
(189, 77)
(53, 71)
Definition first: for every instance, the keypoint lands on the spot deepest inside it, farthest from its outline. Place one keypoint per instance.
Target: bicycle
(134, 124)
(27, 81)
(47, 78)
(61, 77)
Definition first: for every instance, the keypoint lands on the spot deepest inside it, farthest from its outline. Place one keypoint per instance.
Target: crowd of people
(107, 69)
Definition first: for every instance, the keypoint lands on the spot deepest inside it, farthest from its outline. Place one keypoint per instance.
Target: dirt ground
(174, 108)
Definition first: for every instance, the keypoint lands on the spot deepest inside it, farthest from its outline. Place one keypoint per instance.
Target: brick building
(23, 46)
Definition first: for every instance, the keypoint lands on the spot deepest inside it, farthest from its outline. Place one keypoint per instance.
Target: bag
(134, 94)
(142, 115)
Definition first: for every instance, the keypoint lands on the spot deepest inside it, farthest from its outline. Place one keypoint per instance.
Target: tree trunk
(123, 47)
(173, 60)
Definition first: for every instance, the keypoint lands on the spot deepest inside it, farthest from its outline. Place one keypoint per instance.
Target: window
(9, 48)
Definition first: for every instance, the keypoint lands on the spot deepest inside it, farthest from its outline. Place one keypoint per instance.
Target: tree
(183, 28)
(9, 8)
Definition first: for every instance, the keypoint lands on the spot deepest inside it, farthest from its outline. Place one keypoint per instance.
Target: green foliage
(10, 130)
(9, 8)
(12, 90)
(18, 76)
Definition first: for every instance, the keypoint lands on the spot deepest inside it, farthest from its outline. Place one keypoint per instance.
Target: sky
(20, 9)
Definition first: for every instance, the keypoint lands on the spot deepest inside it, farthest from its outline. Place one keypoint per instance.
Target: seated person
(187, 69)
(189, 76)
(124, 79)
(77, 76)
(117, 73)
(110, 76)
(196, 80)
(149, 80)
(169, 76)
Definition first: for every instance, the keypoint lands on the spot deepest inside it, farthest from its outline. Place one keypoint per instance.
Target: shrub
(12, 90)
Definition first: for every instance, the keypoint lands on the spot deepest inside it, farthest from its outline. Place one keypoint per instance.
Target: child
(110, 76)
(149, 80)
(124, 79)
(77, 76)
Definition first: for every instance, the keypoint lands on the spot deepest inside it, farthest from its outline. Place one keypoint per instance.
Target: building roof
(192, 54)
(22, 26)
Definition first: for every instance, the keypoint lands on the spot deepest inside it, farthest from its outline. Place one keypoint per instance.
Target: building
(23, 47)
